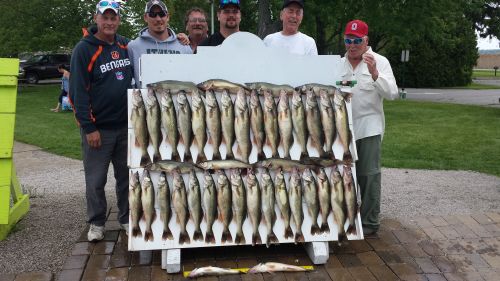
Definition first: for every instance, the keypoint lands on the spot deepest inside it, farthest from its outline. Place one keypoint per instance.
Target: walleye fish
(199, 126)
(299, 123)
(210, 207)
(194, 204)
(342, 123)
(211, 271)
(324, 200)
(164, 202)
(273, 88)
(271, 267)
(134, 201)
(219, 85)
(224, 203)
(315, 87)
(311, 198)
(180, 203)
(153, 121)
(257, 124)
(350, 199)
(268, 201)
(283, 164)
(227, 121)
(337, 197)
(169, 122)
(295, 195)
(138, 118)
(328, 122)
(170, 166)
(224, 164)
(242, 126)
(175, 86)
(184, 124)
(239, 205)
(148, 204)
(271, 123)
(314, 122)
(213, 123)
(254, 205)
(285, 124)
(320, 162)
(283, 203)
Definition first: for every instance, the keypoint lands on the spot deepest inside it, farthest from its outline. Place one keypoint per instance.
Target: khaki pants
(368, 171)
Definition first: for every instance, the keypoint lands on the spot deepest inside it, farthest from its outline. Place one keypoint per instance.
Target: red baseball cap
(357, 28)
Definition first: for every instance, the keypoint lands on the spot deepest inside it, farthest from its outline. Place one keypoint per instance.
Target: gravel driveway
(43, 240)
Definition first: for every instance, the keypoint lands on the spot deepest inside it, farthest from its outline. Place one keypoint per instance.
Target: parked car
(42, 67)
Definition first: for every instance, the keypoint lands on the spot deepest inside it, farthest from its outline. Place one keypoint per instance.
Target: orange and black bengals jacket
(101, 73)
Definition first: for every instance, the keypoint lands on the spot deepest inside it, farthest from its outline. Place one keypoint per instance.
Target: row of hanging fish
(248, 121)
(236, 194)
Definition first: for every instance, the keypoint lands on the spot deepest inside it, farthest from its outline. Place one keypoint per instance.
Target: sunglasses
(224, 2)
(113, 4)
(355, 41)
(154, 14)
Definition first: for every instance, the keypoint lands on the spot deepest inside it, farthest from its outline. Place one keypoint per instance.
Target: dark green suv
(42, 67)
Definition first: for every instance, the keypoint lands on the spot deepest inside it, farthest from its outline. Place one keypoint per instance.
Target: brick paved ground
(448, 248)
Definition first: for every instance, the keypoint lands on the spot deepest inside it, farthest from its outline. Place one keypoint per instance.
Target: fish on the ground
(350, 199)
(273, 88)
(210, 207)
(134, 201)
(170, 166)
(271, 123)
(254, 205)
(239, 204)
(337, 197)
(271, 267)
(164, 202)
(199, 126)
(313, 118)
(224, 203)
(299, 123)
(211, 271)
(169, 122)
(153, 121)
(295, 195)
(227, 121)
(219, 85)
(213, 123)
(180, 203)
(242, 126)
(311, 198)
(184, 124)
(174, 86)
(224, 164)
(285, 124)
(138, 118)
(148, 204)
(324, 199)
(283, 203)
(194, 204)
(283, 164)
(342, 124)
(327, 122)
(268, 201)
(257, 124)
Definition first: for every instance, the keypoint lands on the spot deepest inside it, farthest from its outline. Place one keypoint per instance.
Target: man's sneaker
(124, 226)
(96, 233)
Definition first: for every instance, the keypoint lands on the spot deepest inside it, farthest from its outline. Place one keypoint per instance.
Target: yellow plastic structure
(10, 214)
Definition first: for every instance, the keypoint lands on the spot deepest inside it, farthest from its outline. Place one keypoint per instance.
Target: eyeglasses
(200, 20)
(230, 11)
(154, 14)
(355, 41)
(112, 4)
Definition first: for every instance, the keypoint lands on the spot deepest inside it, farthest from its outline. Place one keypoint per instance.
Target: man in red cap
(375, 81)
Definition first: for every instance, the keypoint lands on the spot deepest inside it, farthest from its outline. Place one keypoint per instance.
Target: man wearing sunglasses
(157, 38)
(229, 17)
(290, 38)
(101, 74)
(375, 82)
(196, 26)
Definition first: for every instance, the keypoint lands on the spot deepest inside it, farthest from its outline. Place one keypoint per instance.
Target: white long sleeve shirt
(368, 95)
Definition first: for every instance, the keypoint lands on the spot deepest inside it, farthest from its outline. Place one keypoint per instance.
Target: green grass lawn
(418, 135)
(485, 73)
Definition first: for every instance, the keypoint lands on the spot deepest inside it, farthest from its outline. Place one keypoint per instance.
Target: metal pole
(212, 16)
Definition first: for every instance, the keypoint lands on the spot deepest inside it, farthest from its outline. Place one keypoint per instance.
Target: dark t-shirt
(213, 40)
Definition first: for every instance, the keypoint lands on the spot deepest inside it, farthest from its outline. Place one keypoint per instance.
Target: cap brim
(103, 10)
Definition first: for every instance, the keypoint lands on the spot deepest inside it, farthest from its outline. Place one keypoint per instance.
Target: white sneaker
(96, 233)
(124, 226)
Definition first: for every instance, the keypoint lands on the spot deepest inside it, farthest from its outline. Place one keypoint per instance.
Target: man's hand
(369, 59)
(94, 139)
(183, 38)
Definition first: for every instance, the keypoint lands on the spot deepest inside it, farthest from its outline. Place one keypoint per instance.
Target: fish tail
(145, 160)
(288, 232)
(176, 156)
(184, 238)
(347, 156)
(299, 237)
(148, 235)
(167, 234)
(351, 229)
(315, 229)
(156, 156)
(216, 155)
(271, 239)
(240, 238)
(201, 157)
(303, 155)
(324, 228)
(198, 236)
(256, 239)
(136, 231)
(229, 153)
(342, 237)
(261, 156)
(226, 236)
(209, 238)
(187, 156)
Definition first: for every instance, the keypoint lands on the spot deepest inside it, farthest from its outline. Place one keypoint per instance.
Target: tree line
(440, 34)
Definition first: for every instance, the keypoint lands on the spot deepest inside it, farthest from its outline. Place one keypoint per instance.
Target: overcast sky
(487, 44)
